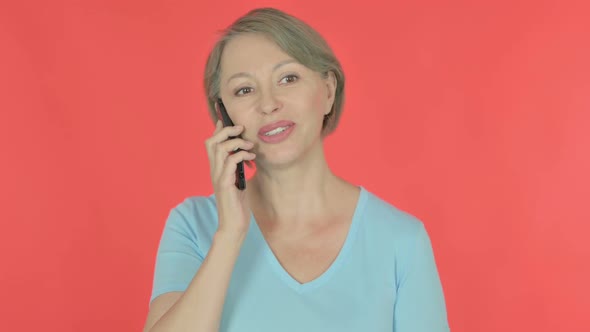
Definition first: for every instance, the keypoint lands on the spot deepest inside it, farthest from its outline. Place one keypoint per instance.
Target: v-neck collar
(326, 275)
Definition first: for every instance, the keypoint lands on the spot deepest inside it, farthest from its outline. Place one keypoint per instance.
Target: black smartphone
(240, 177)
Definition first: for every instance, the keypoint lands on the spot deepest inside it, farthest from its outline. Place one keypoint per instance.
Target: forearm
(199, 308)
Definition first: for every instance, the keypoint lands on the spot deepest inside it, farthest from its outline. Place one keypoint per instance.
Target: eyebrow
(277, 66)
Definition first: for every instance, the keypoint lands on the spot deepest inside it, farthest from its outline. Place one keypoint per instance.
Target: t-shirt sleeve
(420, 304)
(178, 257)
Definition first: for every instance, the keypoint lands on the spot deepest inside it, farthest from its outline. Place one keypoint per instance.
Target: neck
(295, 194)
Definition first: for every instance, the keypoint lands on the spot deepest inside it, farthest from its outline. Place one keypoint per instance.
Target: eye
(243, 91)
(289, 79)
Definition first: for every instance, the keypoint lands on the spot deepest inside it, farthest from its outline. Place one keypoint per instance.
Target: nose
(268, 102)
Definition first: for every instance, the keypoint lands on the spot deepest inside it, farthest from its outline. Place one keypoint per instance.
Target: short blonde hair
(294, 37)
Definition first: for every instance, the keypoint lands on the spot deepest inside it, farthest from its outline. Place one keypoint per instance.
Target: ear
(331, 84)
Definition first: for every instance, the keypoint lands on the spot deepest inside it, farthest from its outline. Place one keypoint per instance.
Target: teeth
(276, 131)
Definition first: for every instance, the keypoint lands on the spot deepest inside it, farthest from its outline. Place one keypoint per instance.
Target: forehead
(250, 53)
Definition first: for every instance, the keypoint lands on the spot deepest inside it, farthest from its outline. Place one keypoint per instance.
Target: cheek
(251, 131)
(319, 102)
(311, 98)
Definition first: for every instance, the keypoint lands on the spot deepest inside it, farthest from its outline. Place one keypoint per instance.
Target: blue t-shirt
(384, 278)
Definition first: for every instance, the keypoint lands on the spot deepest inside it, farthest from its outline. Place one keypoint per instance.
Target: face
(262, 87)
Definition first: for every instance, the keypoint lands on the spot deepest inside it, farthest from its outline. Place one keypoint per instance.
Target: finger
(231, 163)
(218, 126)
(232, 145)
(226, 148)
(228, 132)
(223, 134)
(210, 142)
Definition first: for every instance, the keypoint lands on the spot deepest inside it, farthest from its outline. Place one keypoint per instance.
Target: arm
(420, 304)
(199, 306)
(180, 265)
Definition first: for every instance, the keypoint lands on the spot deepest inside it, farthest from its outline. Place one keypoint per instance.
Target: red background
(472, 115)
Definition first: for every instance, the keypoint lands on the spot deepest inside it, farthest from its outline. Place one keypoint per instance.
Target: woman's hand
(232, 207)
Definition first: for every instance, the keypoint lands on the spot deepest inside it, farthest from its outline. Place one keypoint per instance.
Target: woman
(300, 249)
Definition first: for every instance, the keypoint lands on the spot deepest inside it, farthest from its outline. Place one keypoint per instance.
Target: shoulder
(389, 219)
(395, 235)
(390, 231)
(195, 219)
(390, 236)
(196, 207)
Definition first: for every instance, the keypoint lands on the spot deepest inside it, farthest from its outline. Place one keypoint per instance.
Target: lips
(275, 125)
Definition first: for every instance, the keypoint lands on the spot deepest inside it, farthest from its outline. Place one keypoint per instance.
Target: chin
(279, 159)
